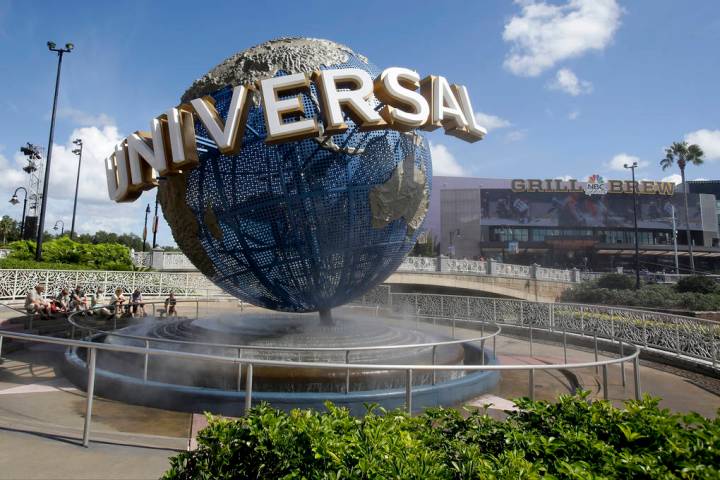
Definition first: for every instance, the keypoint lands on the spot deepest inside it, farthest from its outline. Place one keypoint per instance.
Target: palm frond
(666, 162)
(695, 154)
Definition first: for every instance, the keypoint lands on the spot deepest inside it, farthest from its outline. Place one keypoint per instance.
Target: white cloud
(619, 161)
(566, 81)
(709, 141)
(564, 178)
(543, 34)
(95, 210)
(491, 122)
(573, 115)
(12, 174)
(444, 163)
(516, 136)
(674, 178)
(83, 118)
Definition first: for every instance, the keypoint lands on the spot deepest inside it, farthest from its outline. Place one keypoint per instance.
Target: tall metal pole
(155, 218)
(46, 180)
(78, 152)
(22, 222)
(155, 224)
(686, 187)
(147, 212)
(637, 239)
(677, 266)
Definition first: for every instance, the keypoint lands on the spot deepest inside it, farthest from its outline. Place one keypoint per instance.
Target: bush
(63, 253)
(572, 438)
(616, 281)
(697, 284)
(12, 263)
(658, 296)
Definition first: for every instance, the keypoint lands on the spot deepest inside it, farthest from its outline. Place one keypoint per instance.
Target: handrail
(10, 307)
(573, 304)
(92, 348)
(484, 337)
(305, 364)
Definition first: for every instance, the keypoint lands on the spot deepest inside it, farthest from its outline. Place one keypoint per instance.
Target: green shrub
(658, 296)
(616, 281)
(63, 253)
(697, 284)
(12, 263)
(570, 439)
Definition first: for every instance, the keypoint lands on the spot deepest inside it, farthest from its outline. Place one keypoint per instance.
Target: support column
(326, 318)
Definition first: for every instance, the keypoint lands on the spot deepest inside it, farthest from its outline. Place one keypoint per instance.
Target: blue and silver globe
(301, 226)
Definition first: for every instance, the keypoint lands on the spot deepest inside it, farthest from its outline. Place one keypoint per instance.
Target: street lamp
(147, 212)
(46, 182)
(14, 201)
(677, 265)
(155, 218)
(637, 247)
(451, 248)
(62, 227)
(78, 152)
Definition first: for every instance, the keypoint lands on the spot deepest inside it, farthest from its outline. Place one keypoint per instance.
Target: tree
(8, 229)
(684, 154)
(130, 240)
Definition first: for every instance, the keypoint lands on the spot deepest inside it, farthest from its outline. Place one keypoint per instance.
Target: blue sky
(567, 88)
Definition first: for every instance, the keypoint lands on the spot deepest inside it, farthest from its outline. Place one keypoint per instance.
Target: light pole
(677, 265)
(147, 212)
(451, 248)
(62, 227)
(14, 200)
(637, 245)
(41, 223)
(78, 152)
(155, 218)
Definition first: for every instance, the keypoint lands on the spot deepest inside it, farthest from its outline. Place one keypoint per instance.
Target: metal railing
(695, 339)
(93, 347)
(243, 349)
(16, 283)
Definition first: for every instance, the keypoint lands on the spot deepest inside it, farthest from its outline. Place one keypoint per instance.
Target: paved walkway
(41, 412)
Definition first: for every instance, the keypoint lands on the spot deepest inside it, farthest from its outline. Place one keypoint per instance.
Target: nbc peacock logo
(596, 185)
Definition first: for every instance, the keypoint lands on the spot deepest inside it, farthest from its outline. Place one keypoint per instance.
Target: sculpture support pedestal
(326, 317)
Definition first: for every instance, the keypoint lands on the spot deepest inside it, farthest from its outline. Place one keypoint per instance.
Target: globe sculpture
(302, 226)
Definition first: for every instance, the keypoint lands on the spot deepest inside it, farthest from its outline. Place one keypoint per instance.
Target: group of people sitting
(67, 302)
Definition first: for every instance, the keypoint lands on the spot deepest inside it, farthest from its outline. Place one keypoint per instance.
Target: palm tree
(684, 154)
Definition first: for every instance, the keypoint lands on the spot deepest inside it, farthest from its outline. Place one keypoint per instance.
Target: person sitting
(35, 304)
(97, 304)
(117, 302)
(62, 301)
(136, 300)
(78, 301)
(170, 302)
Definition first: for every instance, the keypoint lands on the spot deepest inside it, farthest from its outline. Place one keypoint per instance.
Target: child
(117, 301)
(170, 305)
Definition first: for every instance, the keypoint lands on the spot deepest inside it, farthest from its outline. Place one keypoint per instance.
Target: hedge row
(572, 438)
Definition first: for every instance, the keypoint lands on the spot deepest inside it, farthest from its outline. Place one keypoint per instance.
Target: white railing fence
(163, 261)
(674, 335)
(15, 284)
(487, 267)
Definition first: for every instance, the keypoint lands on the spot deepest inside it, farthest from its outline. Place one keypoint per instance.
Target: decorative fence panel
(671, 334)
(14, 284)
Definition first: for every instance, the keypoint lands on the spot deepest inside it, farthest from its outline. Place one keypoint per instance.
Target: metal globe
(301, 226)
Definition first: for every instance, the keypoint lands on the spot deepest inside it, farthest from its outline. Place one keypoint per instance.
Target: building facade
(558, 223)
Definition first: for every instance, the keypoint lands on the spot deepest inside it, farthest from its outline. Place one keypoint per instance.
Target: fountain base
(189, 385)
